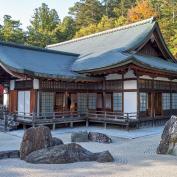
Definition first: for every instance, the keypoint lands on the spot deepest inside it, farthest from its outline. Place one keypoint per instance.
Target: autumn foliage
(141, 11)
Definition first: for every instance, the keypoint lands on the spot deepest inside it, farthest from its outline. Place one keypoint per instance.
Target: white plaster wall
(145, 77)
(161, 79)
(12, 84)
(5, 98)
(113, 76)
(36, 84)
(156, 78)
(130, 102)
(24, 101)
(129, 74)
(130, 84)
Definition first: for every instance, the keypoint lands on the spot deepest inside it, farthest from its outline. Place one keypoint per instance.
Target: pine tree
(86, 12)
(10, 31)
(41, 32)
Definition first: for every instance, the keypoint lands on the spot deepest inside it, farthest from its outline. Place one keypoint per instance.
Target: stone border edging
(9, 154)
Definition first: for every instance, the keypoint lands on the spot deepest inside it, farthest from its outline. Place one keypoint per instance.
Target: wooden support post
(71, 124)
(105, 125)
(33, 119)
(24, 127)
(54, 125)
(87, 123)
(138, 99)
(171, 106)
(5, 120)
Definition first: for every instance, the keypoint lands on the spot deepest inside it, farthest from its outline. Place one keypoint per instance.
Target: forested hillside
(90, 16)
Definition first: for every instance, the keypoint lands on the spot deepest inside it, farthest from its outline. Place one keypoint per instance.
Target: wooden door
(59, 102)
(149, 110)
(158, 104)
(13, 101)
(73, 106)
(99, 104)
(108, 101)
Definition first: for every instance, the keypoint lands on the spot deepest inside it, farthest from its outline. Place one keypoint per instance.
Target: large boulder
(35, 139)
(67, 153)
(99, 137)
(56, 141)
(79, 137)
(169, 137)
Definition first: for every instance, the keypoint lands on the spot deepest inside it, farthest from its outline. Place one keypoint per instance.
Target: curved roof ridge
(34, 48)
(142, 22)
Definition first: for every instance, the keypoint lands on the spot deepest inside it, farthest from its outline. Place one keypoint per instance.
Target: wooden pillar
(123, 92)
(104, 95)
(87, 123)
(138, 99)
(171, 106)
(33, 101)
(153, 102)
(65, 100)
(71, 124)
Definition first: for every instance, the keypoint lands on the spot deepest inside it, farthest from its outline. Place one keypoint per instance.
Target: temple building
(120, 76)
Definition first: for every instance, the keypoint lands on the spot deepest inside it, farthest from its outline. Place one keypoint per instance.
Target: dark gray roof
(121, 38)
(108, 48)
(36, 61)
(99, 51)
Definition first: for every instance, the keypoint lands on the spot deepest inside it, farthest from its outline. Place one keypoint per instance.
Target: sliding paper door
(24, 101)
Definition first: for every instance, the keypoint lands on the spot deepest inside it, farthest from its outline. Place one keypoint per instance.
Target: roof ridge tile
(142, 22)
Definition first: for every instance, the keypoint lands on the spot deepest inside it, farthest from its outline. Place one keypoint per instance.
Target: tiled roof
(37, 61)
(108, 48)
(102, 50)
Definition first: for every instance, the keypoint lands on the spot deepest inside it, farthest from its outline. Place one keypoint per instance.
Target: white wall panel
(21, 105)
(130, 102)
(113, 76)
(36, 84)
(12, 85)
(27, 101)
(24, 101)
(130, 84)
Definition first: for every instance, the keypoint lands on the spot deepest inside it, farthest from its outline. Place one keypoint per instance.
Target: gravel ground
(133, 158)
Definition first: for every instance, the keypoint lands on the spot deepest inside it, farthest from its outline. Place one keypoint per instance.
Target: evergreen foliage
(91, 16)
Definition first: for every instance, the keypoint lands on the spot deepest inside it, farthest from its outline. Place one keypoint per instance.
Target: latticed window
(59, 101)
(174, 100)
(82, 102)
(46, 102)
(166, 101)
(117, 101)
(113, 85)
(92, 101)
(143, 101)
(145, 84)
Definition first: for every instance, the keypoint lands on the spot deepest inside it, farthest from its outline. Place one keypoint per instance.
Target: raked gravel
(133, 158)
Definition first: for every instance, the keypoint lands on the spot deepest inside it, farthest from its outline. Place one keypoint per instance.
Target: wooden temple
(124, 76)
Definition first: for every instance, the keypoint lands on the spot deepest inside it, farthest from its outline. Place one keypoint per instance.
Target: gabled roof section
(121, 38)
(104, 49)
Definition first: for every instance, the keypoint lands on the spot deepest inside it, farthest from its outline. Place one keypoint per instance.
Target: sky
(24, 9)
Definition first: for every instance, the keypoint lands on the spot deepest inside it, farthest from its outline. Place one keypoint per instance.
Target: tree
(109, 6)
(141, 11)
(173, 45)
(65, 30)
(105, 24)
(120, 21)
(10, 31)
(92, 28)
(41, 32)
(86, 12)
